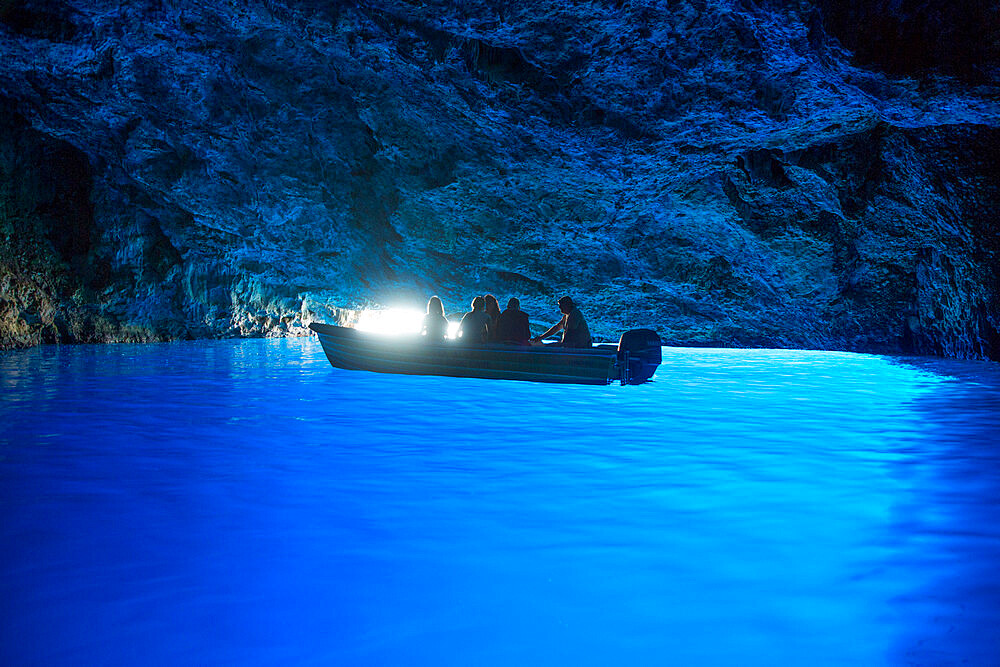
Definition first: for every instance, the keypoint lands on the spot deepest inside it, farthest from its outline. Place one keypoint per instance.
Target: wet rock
(786, 174)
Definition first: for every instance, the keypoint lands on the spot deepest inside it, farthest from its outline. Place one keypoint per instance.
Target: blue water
(245, 503)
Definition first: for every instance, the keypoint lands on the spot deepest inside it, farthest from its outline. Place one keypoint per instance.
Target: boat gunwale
(415, 342)
(355, 350)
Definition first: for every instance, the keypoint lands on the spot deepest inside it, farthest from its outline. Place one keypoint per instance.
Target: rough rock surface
(726, 171)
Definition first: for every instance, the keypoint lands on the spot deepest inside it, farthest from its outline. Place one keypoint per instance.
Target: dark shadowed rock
(916, 37)
(725, 172)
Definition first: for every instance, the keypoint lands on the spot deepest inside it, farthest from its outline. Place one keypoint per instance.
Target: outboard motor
(638, 355)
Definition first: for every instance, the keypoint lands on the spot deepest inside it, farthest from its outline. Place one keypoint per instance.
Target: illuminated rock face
(725, 172)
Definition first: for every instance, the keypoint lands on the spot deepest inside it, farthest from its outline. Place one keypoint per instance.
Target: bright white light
(391, 321)
(453, 329)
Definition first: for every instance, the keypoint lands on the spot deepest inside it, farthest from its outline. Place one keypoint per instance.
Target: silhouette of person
(512, 325)
(435, 324)
(475, 326)
(493, 310)
(574, 327)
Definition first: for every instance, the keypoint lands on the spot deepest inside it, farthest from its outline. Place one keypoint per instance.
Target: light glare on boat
(390, 321)
(396, 322)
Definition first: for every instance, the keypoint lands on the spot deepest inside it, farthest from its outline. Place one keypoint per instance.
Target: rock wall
(726, 171)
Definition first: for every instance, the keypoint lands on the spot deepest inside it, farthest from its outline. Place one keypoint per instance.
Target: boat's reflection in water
(244, 502)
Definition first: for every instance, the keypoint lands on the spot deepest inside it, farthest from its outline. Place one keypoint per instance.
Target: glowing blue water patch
(244, 502)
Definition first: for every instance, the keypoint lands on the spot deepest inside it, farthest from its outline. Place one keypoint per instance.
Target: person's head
(435, 307)
(513, 303)
(492, 305)
(479, 303)
(565, 304)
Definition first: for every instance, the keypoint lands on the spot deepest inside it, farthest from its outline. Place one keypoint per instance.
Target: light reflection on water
(243, 502)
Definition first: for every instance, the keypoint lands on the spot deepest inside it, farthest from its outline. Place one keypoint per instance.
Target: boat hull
(355, 350)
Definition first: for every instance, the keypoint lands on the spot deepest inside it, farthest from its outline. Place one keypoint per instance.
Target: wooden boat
(603, 364)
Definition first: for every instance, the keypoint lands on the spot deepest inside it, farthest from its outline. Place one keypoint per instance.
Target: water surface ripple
(245, 503)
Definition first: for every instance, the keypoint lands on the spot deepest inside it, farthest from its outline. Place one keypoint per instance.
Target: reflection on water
(243, 502)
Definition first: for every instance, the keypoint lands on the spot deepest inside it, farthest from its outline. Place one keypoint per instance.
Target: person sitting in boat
(574, 327)
(512, 325)
(435, 325)
(493, 310)
(475, 326)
